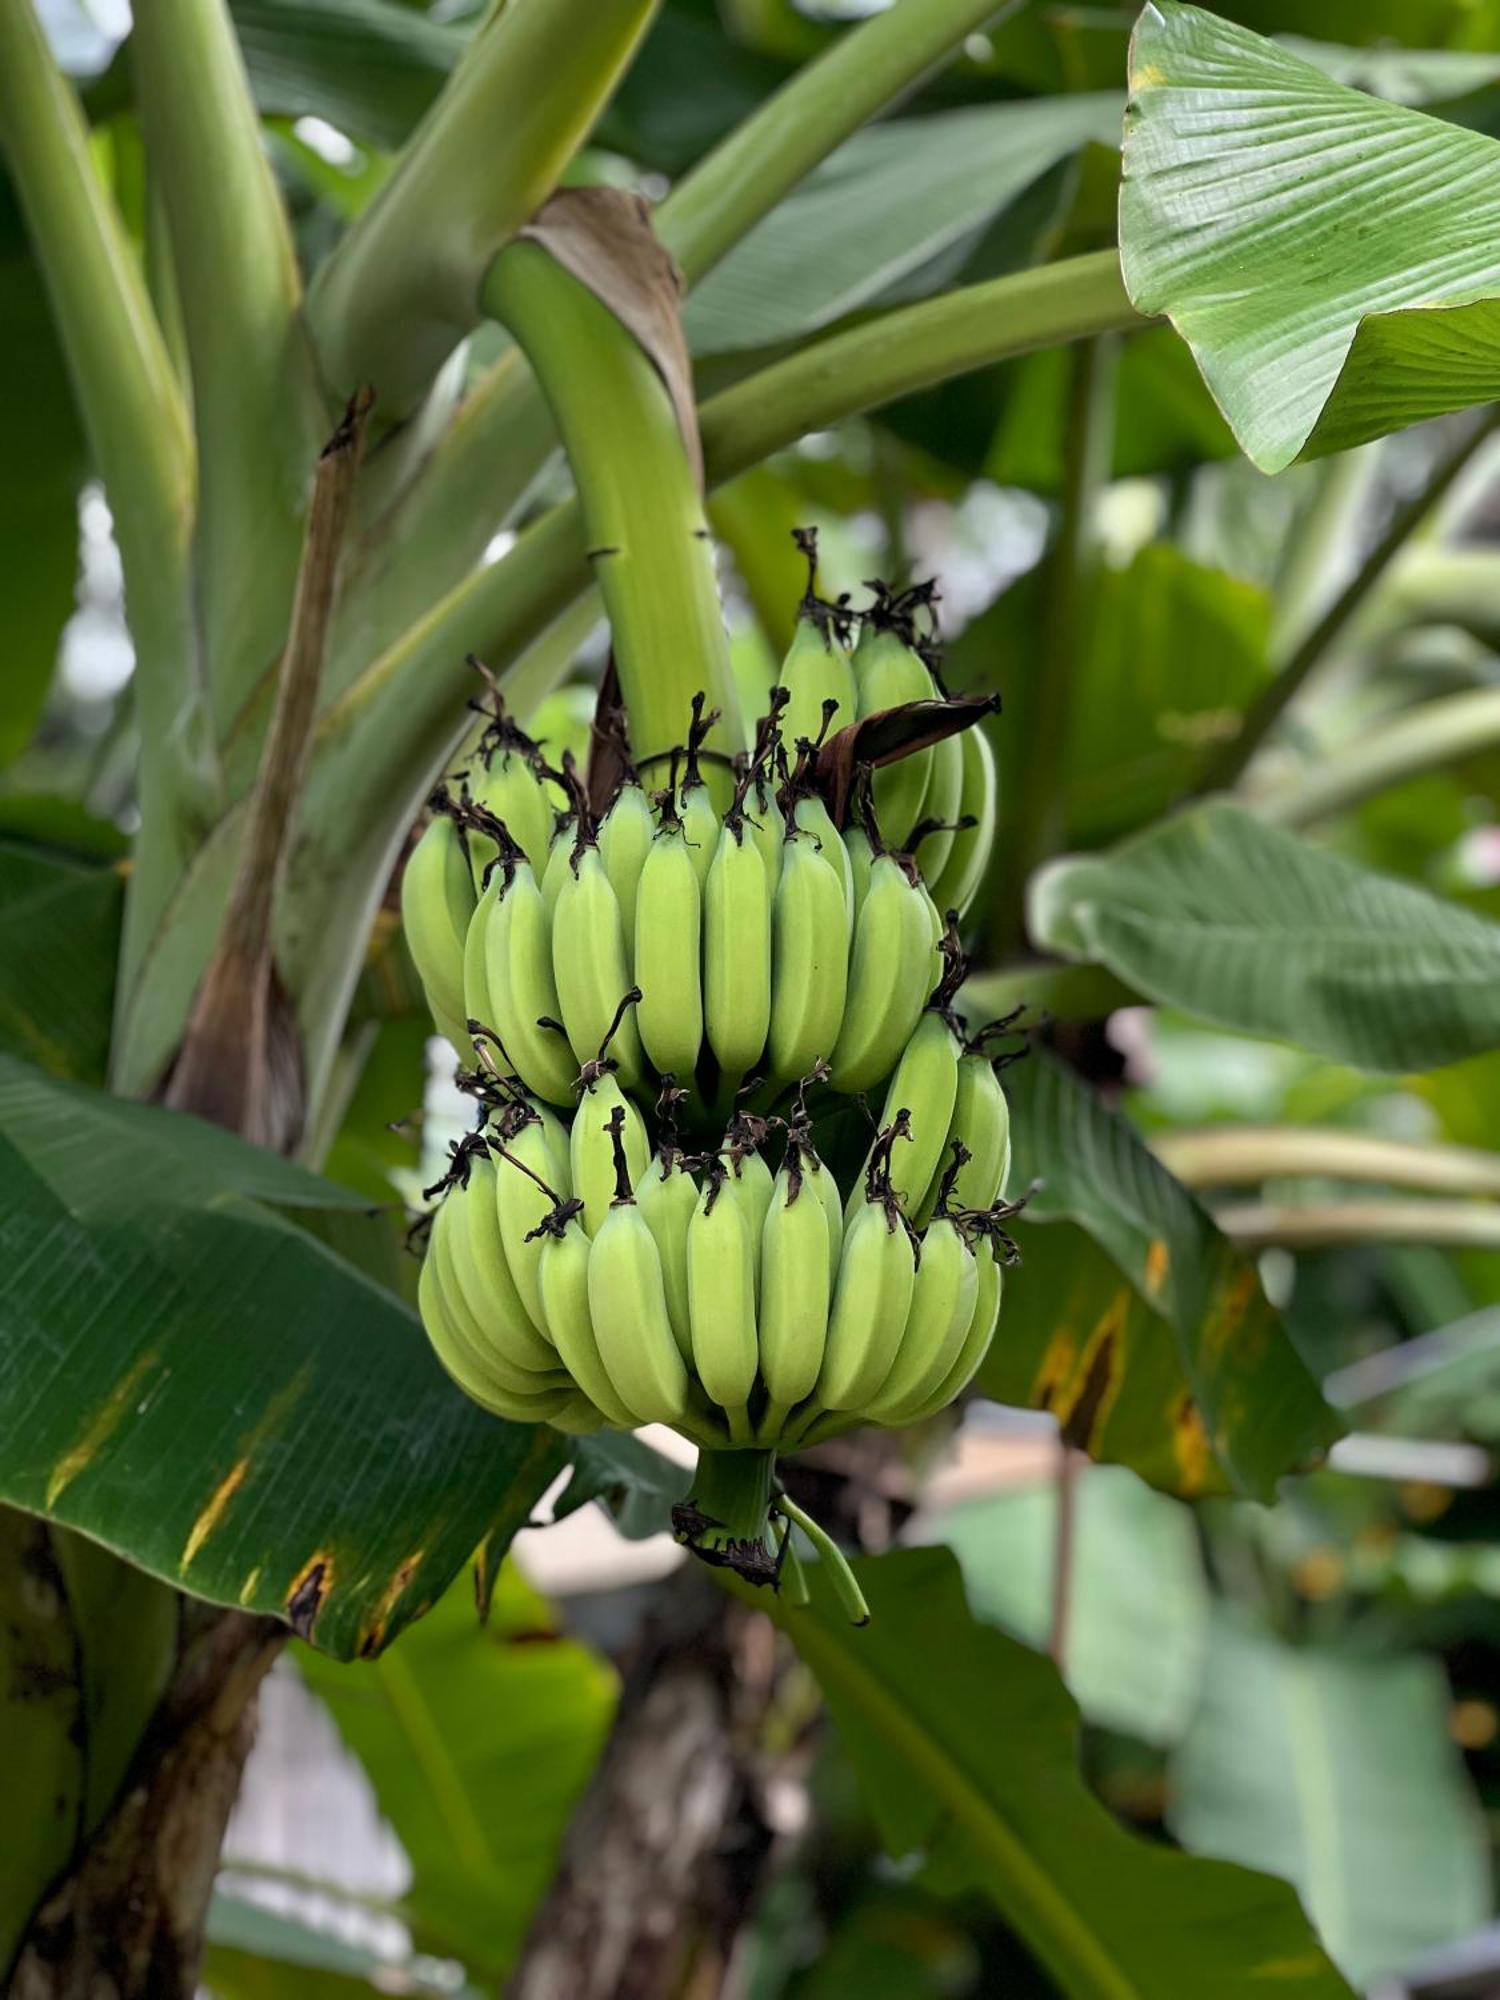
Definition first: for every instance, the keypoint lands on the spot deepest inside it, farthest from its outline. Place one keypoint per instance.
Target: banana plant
(332, 486)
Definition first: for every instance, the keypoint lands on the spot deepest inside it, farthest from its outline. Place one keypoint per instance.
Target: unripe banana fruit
(620, 968)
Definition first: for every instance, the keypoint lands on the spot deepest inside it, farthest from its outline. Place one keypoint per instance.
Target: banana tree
(214, 1374)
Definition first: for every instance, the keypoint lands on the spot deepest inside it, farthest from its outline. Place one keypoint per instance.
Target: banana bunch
(672, 997)
(595, 1275)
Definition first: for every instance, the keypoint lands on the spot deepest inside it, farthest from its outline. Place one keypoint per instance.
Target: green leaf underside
(1333, 260)
(191, 1379)
(478, 1741)
(1337, 1772)
(256, 1954)
(1252, 928)
(1137, 1625)
(887, 203)
(978, 1767)
(1132, 1318)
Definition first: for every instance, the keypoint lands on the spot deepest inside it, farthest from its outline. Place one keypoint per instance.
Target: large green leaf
(1170, 652)
(1139, 1325)
(1337, 1772)
(886, 204)
(192, 1379)
(59, 943)
(977, 1766)
(1246, 925)
(477, 1740)
(1138, 1607)
(1333, 260)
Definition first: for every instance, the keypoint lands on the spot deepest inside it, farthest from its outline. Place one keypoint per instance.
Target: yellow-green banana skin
(871, 1300)
(891, 977)
(969, 857)
(723, 1247)
(976, 1342)
(943, 1298)
(437, 901)
(796, 1289)
(667, 1195)
(565, 1262)
(925, 1085)
(624, 841)
(591, 965)
(592, 1149)
(888, 673)
(668, 957)
(981, 1120)
(810, 956)
(737, 953)
(632, 1325)
(522, 992)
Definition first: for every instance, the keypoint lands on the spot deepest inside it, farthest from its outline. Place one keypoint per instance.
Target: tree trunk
(126, 1923)
(665, 1856)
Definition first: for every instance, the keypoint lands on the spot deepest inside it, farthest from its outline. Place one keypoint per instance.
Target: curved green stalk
(1329, 1225)
(1240, 1155)
(897, 352)
(257, 409)
(502, 434)
(138, 431)
(403, 285)
(648, 537)
(780, 143)
(1418, 740)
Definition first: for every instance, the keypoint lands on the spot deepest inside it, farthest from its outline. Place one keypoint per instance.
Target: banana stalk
(648, 537)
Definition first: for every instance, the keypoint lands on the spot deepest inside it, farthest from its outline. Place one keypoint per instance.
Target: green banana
(668, 952)
(872, 1296)
(700, 819)
(510, 785)
(861, 854)
(889, 673)
(968, 858)
(625, 838)
(812, 818)
(559, 862)
(940, 808)
(458, 1342)
(816, 669)
(767, 828)
(591, 1150)
(810, 960)
(565, 1259)
(891, 975)
(977, 1338)
(530, 1180)
(514, 1331)
(667, 1195)
(797, 1262)
(944, 1295)
(736, 951)
(437, 901)
(981, 1122)
(723, 1249)
(924, 1085)
(592, 966)
(519, 984)
(484, 1318)
(628, 1304)
(479, 1004)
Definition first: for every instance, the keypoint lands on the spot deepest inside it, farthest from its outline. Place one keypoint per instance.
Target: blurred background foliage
(1310, 1688)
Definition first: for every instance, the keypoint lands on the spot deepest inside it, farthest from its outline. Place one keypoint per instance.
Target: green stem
(763, 159)
(1069, 992)
(1316, 546)
(502, 435)
(1038, 825)
(840, 1576)
(1426, 738)
(1237, 1155)
(907, 348)
(141, 442)
(726, 1518)
(404, 284)
(648, 538)
(1226, 770)
(257, 410)
(1334, 1224)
